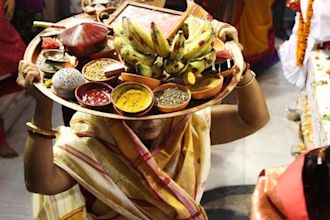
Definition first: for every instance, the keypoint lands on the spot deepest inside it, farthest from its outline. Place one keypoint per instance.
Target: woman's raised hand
(226, 32)
(9, 7)
(29, 73)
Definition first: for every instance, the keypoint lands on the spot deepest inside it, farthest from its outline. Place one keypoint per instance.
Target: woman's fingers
(28, 73)
(32, 77)
(9, 7)
(228, 33)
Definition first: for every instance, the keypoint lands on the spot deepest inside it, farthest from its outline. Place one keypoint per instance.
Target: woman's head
(147, 130)
(316, 172)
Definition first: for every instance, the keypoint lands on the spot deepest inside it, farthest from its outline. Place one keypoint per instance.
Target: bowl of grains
(96, 70)
(171, 97)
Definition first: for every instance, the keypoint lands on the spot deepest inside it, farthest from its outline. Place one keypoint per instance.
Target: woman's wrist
(247, 77)
(37, 131)
(43, 114)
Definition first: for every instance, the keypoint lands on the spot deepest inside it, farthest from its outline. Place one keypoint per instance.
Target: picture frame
(169, 21)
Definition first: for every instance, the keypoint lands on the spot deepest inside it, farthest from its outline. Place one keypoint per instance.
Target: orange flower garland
(303, 32)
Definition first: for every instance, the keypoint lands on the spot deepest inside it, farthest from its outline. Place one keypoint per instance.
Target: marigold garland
(303, 33)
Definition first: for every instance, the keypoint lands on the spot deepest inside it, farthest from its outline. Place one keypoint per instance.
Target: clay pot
(84, 39)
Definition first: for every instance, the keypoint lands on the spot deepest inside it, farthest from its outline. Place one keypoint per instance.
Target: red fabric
(9, 86)
(11, 45)
(2, 136)
(290, 191)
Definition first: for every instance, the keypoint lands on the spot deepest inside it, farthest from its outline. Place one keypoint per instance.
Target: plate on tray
(230, 80)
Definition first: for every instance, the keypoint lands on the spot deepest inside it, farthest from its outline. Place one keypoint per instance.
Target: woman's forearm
(38, 155)
(41, 174)
(252, 106)
(231, 122)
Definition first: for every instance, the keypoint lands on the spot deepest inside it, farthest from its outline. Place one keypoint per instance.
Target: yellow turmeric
(134, 100)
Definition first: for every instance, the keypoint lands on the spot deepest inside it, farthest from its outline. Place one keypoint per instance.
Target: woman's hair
(316, 174)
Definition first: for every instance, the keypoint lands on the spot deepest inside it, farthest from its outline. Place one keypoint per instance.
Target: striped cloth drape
(127, 180)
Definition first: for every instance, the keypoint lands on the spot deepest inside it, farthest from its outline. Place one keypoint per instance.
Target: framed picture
(169, 21)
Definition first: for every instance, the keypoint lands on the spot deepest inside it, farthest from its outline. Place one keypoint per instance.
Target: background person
(11, 51)
(313, 21)
(254, 23)
(306, 180)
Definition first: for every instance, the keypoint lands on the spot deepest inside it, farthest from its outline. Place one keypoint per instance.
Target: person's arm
(232, 122)
(41, 174)
(9, 7)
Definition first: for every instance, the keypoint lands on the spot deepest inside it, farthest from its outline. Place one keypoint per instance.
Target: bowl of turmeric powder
(132, 98)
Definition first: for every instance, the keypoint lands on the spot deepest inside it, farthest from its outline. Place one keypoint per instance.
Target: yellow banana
(197, 66)
(122, 27)
(119, 42)
(124, 24)
(160, 43)
(149, 71)
(131, 56)
(117, 28)
(200, 64)
(144, 70)
(200, 45)
(207, 48)
(189, 78)
(193, 26)
(203, 26)
(177, 47)
(173, 66)
(140, 39)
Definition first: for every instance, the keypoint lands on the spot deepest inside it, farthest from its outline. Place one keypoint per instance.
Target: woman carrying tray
(101, 168)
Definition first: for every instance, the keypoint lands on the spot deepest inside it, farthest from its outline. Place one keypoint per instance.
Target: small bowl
(93, 6)
(207, 87)
(50, 65)
(150, 82)
(178, 107)
(218, 44)
(65, 81)
(141, 104)
(49, 68)
(104, 15)
(98, 75)
(56, 55)
(230, 72)
(134, 114)
(86, 94)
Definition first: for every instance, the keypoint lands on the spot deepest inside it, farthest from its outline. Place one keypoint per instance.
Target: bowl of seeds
(96, 70)
(171, 97)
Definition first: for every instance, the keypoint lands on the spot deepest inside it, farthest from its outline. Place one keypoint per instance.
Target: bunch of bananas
(151, 53)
